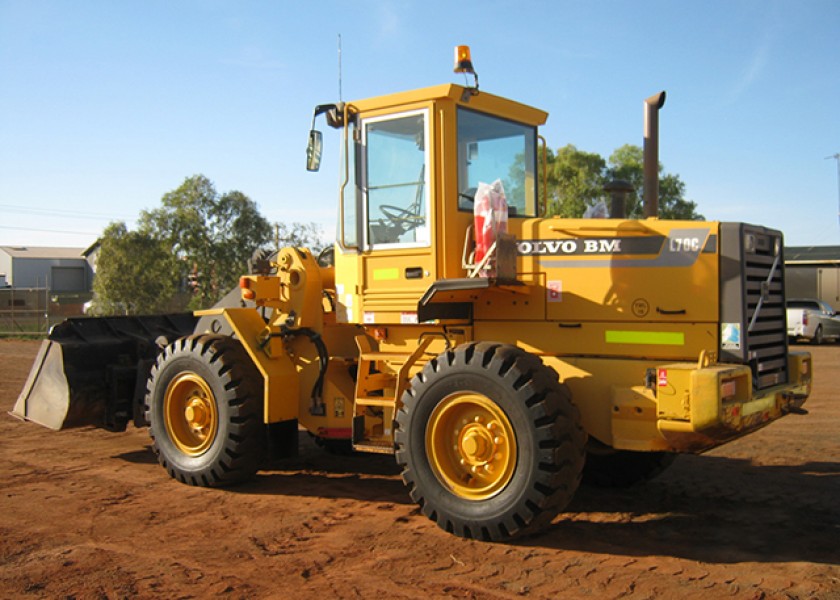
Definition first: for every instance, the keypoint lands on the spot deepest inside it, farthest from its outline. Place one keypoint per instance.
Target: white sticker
(408, 318)
(370, 317)
(554, 290)
(730, 336)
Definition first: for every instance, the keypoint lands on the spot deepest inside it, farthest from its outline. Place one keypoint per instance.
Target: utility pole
(837, 158)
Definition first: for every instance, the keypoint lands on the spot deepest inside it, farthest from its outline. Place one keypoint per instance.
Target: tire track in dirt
(90, 514)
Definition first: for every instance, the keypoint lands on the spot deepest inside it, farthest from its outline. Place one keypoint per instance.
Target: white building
(813, 272)
(58, 269)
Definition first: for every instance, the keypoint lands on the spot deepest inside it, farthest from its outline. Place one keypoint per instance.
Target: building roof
(92, 248)
(42, 252)
(812, 254)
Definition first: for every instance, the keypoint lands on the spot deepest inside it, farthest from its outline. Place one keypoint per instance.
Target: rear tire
(204, 405)
(490, 444)
(818, 336)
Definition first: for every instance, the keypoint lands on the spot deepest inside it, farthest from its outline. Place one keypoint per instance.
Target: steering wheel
(468, 194)
(401, 217)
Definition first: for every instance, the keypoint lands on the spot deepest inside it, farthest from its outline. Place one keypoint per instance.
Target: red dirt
(89, 514)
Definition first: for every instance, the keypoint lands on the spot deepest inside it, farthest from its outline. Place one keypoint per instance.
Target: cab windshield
(490, 148)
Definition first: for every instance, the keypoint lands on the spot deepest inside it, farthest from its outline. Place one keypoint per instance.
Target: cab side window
(396, 180)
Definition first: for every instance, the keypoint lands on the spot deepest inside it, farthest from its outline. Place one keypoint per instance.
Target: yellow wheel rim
(190, 412)
(471, 445)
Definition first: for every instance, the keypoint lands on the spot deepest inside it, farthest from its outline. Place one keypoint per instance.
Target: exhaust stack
(651, 154)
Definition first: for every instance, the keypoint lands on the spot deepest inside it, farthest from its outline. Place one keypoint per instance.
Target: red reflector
(244, 283)
(249, 294)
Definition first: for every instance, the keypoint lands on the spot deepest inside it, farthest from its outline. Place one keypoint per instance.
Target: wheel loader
(500, 355)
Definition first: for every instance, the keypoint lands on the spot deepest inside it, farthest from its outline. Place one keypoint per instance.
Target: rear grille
(752, 286)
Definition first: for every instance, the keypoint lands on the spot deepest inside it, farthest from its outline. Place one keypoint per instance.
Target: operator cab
(410, 167)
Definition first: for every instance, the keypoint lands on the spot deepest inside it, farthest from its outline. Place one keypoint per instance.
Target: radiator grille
(753, 299)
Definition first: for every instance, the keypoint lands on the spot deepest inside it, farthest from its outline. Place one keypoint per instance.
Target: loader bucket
(92, 371)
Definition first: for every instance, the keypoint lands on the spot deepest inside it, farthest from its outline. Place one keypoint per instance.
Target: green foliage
(306, 235)
(188, 252)
(576, 179)
(627, 163)
(133, 273)
(211, 235)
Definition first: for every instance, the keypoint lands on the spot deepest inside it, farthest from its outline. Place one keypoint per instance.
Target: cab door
(398, 237)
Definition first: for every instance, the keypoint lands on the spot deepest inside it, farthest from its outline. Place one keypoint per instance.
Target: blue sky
(107, 105)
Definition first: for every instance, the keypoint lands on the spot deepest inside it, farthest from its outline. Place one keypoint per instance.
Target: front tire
(204, 406)
(490, 444)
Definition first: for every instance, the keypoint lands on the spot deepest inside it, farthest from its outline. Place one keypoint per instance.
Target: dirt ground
(90, 514)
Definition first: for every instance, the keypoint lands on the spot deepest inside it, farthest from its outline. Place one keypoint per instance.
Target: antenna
(339, 68)
(837, 158)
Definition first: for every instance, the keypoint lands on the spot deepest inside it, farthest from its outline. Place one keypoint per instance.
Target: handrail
(344, 183)
(543, 210)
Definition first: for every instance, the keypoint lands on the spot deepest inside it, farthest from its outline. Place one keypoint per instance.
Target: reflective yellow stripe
(661, 338)
(385, 274)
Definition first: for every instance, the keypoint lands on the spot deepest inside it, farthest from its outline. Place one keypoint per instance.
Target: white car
(812, 319)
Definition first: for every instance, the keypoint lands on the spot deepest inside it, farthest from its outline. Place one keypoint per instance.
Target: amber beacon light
(463, 64)
(463, 60)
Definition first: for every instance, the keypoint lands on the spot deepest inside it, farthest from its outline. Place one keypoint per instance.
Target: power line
(86, 233)
(60, 212)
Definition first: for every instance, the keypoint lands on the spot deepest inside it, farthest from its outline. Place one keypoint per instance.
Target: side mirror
(313, 151)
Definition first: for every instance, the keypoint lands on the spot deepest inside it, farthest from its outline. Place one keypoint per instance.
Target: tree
(627, 163)
(211, 235)
(576, 179)
(197, 243)
(307, 235)
(133, 273)
(672, 201)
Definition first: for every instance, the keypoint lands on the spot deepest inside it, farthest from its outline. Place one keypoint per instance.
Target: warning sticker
(408, 318)
(554, 289)
(662, 376)
(370, 317)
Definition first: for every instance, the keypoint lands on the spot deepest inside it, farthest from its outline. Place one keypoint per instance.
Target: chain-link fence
(32, 311)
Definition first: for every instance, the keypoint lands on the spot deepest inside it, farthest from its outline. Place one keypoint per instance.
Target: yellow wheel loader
(499, 355)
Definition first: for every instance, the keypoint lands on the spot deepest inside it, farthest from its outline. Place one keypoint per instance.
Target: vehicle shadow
(139, 457)
(710, 509)
(706, 508)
